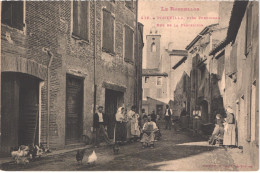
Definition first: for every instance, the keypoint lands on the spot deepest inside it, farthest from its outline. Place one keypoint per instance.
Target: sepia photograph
(129, 85)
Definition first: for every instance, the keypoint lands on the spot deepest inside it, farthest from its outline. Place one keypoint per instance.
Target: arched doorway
(20, 110)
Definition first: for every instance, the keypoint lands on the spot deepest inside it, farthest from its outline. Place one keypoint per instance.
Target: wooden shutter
(80, 19)
(159, 93)
(248, 28)
(233, 59)
(12, 14)
(108, 32)
(128, 44)
(83, 19)
(17, 17)
(75, 19)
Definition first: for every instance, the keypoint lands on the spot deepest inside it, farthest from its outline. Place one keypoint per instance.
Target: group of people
(129, 126)
(225, 130)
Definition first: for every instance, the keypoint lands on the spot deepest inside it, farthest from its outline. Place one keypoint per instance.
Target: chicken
(92, 158)
(80, 155)
(116, 148)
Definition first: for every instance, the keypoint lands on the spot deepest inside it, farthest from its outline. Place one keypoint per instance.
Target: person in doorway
(120, 136)
(230, 131)
(148, 136)
(100, 126)
(218, 132)
(168, 117)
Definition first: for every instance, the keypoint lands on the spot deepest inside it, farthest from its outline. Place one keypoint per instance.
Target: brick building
(56, 67)
(239, 54)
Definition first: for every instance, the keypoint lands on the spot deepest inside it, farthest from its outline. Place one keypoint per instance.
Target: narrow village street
(175, 151)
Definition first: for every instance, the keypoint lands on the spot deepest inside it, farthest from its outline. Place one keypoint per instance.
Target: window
(146, 92)
(159, 93)
(159, 80)
(108, 32)
(12, 14)
(146, 79)
(248, 29)
(80, 19)
(129, 44)
(129, 4)
(153, 47)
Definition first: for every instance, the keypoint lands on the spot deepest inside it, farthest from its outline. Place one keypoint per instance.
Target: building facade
(239, 51)
(58, 63)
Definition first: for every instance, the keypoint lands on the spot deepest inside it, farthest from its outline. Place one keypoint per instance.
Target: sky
(153, 13)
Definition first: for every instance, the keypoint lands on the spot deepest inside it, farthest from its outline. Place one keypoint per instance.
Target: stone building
(61, 59)
(182, 95)
(239, 52)
(154, 87)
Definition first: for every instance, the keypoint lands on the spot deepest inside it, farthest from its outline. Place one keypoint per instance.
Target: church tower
(153, 49)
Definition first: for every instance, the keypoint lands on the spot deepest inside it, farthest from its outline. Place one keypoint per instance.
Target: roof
(153, 72)
(179, 63)
(203, 32)
(237, 14)
(177, 52)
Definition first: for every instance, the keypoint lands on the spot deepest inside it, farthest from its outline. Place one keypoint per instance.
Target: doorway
(20, 110)
(159, 110)
(113, 100)
(74, 109)
(204, 111)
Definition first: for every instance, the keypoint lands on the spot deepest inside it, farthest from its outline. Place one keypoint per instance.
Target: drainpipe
(94, 58)
(48, 95)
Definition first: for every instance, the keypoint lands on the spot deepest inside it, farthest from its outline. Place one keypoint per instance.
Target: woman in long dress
(120, 126)
(230, 129)
(133, 131)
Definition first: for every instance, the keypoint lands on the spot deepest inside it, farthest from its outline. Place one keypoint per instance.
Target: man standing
(100, 126)
(167, 117)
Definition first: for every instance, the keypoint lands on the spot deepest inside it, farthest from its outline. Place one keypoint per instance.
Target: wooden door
(74, 109)
(110, 111)
(10, 111)
(29, 110)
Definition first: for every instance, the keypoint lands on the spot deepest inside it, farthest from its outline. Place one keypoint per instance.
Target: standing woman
(230, 131)
(119, 128)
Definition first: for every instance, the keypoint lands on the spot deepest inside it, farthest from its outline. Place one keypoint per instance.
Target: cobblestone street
(176, 151)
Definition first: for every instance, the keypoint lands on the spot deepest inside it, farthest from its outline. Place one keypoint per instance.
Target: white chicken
(92, 158)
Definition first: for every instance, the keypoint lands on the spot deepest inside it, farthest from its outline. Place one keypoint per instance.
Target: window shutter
(248, 28)
(7, 12)
(83, 18)
(12, 14)
(75, 18)
(108, 32)
(17, 17)
(159, 93)
(128, 44)
(233, 59)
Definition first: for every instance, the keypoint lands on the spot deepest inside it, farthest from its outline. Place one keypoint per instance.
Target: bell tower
(153, 49)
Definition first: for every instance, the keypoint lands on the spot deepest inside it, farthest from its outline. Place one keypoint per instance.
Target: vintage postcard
(129, 85)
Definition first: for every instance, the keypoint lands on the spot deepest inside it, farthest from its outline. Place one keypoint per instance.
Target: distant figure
(153, 116)
(168, 117)
(100, 126)
(230, 132)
